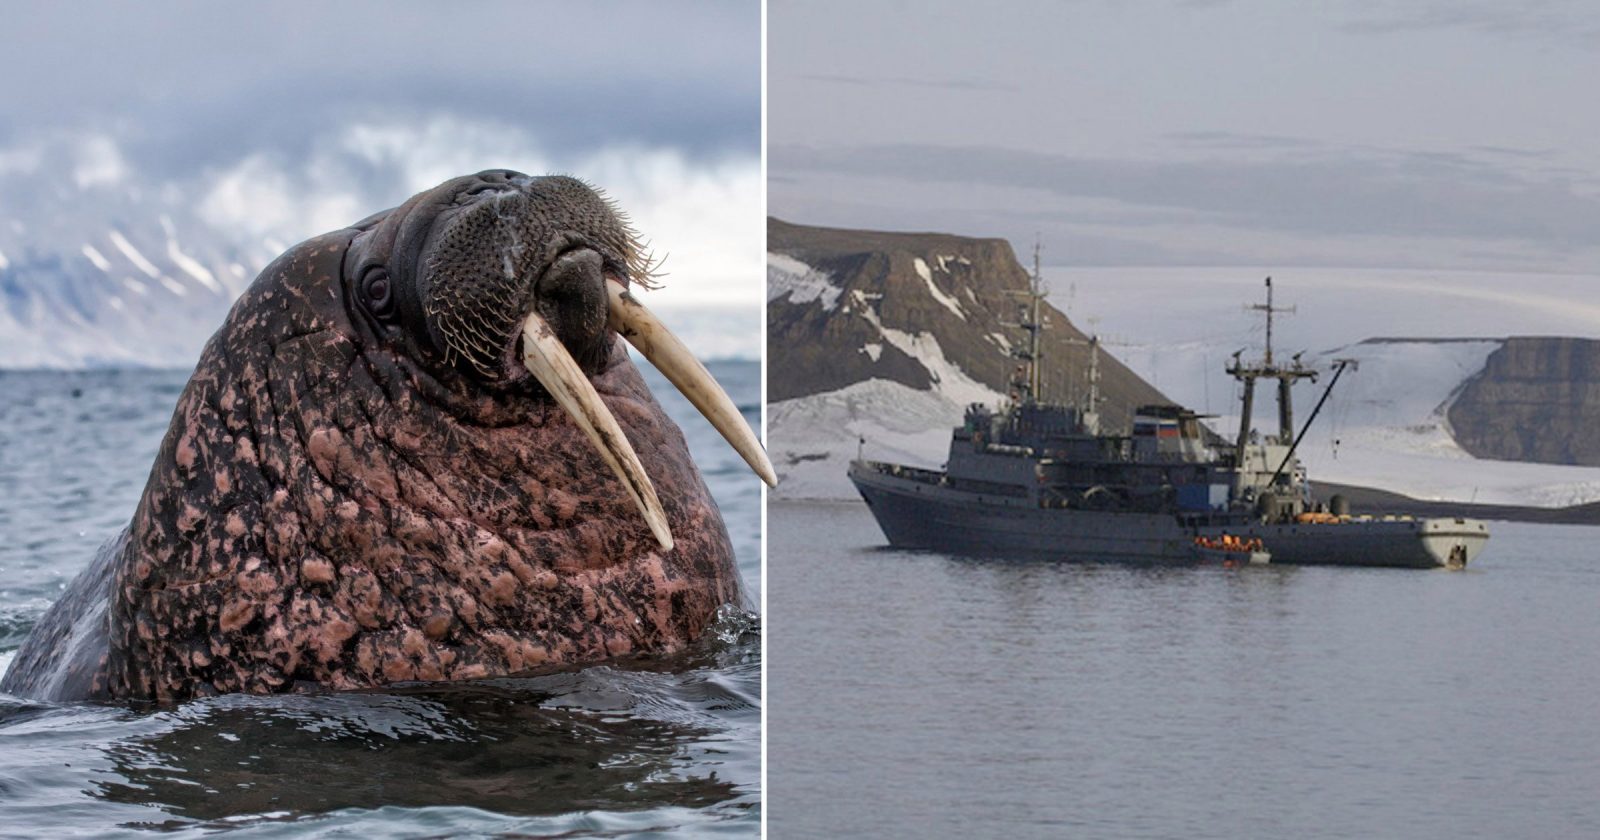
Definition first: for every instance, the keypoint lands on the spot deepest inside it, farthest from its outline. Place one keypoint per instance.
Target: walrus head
(416, 450)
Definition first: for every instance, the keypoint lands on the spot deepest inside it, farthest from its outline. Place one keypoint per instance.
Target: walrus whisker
(550, 363)
(655, 342)
(473, 338)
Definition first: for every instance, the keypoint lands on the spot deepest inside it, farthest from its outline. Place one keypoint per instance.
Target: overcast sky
(289, 118)
(1346, 133)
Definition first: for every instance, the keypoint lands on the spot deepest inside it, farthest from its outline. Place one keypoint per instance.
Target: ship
(1039, 479)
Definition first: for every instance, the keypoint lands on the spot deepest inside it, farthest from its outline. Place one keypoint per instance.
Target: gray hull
(920, 515)
(916, 512)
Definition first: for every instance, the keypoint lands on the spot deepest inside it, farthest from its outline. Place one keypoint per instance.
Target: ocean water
(925, 695)
(671, 747)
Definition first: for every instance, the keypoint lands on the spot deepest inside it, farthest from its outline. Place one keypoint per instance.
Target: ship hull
(915, 512)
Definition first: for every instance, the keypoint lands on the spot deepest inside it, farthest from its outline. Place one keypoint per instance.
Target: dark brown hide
(329, 509)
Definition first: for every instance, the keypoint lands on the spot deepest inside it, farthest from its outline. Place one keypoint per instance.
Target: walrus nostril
(572, 298)
(577, 273)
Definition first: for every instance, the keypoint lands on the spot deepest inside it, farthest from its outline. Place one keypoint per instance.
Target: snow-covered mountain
(105, 263)
(925, 310)
(107, 275)
(1537, 399)
(1387, 425)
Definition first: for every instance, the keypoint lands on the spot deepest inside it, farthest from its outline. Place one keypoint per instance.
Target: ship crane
(1338, 370)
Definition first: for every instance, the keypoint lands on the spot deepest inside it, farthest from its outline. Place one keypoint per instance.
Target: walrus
(416, 450)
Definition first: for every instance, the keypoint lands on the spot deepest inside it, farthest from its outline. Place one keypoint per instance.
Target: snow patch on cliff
(134, 255)
(99, 259)
(949, 380)
(947, 301)
(789, 277)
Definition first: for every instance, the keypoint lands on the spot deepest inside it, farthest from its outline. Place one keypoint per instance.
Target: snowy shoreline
(1384, 427)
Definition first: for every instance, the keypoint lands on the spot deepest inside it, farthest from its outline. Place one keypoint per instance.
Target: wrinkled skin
(361, 486)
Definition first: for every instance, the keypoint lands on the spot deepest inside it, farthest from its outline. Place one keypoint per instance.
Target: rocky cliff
(846, 306)
(1536, 399)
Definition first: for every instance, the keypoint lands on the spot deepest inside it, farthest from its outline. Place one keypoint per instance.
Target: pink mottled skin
(334, 507)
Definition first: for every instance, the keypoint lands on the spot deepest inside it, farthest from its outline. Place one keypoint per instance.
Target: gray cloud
(1350, 193)
(1555, 20)
(1422, 133)
(1239, 140)
(1062, 238)
(903, 81)
(182, 83)
(1524, 154)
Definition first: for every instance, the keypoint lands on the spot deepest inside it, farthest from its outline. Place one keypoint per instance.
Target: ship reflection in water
(1041, 479)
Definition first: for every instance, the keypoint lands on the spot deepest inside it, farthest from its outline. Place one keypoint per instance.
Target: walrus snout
(571, 295)
(538, 271)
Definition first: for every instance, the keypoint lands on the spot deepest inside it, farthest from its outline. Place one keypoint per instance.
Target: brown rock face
(813, 349)
(356, 491)
(1537, 399)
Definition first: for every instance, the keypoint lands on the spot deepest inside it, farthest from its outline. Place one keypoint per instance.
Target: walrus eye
(377, 292)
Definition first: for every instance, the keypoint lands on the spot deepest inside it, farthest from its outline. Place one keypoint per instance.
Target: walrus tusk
(549, 362)
(645, 332)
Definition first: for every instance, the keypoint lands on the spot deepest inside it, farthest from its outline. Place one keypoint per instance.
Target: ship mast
(1090, 412)
(1027, 383)
(1286, 375)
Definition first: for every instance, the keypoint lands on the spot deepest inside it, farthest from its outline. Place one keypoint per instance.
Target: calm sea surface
(666, 746)
(922, 695)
